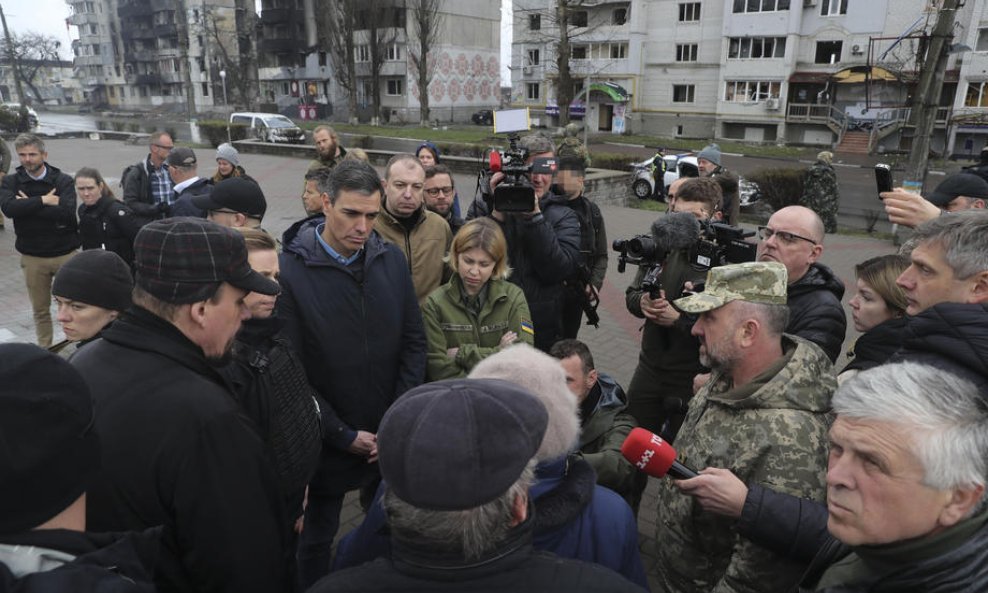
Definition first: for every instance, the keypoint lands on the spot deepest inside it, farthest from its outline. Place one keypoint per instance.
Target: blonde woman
(477, 312)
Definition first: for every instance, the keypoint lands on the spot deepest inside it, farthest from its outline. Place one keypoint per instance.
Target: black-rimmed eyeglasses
(765, 233)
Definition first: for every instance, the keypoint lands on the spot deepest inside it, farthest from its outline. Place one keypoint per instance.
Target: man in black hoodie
(794, 238)
(41, 201)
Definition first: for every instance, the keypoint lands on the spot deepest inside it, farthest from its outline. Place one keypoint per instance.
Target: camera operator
(669, 358)
(581, 293)
(543, 245)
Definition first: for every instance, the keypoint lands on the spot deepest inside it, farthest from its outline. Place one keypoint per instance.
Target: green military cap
(754, 282)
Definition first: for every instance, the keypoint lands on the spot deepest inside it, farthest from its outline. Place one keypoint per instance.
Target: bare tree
(241, 77)
(382, 35)
(426, 24)
(246, 27)
(564, 22)
(340, 28)
(31, 52)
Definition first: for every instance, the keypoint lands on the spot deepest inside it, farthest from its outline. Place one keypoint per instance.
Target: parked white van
(269, 127)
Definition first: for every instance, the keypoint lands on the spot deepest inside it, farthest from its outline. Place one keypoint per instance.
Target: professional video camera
(671, 232)
(711, 244)
(515, 193)
(719, 244)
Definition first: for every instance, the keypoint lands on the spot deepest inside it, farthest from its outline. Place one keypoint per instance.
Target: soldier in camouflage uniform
(571, 145)
(764, 415)
(820, 191)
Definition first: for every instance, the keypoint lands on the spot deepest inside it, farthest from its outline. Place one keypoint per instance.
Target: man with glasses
(422, 235)
(147, 187)
(440, 195)
(794, 238)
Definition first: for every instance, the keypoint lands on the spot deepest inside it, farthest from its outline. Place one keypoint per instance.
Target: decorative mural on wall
(459, 78)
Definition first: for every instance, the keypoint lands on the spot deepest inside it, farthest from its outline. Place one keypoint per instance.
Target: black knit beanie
(95, 277)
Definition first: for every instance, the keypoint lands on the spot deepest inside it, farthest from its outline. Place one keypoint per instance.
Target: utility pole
(13, 58)
(926, 100)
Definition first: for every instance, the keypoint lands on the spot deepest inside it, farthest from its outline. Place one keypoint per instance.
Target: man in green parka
(604, 421)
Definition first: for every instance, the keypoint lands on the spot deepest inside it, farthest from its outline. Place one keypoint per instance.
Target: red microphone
(652, 455)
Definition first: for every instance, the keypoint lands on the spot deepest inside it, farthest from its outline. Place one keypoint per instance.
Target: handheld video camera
(721, 244)
(515, 193)
(641, 251)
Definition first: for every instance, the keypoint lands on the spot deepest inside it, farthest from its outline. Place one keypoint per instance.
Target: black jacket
(269, 381)
(543, 252)
(961, 570)
(361, 340)
(183, 206)
(877, 345)
(815, 312)
(109, 224)
(178, 451)
(137, 192)
(101, 562)
(792, 527)
(513, 567)
(42, 231)
(951, 336)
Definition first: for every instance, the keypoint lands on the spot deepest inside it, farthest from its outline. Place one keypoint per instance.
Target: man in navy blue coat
(350, 310)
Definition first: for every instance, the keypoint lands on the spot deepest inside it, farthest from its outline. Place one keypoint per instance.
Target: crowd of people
(220, 391)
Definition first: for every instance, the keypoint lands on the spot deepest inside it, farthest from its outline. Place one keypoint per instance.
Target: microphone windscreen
(648, 452)
(675, 231)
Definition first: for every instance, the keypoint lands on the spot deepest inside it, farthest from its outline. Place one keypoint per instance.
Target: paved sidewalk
(614, 344)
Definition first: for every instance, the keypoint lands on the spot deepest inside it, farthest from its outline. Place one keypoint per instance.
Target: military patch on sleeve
(527, 327)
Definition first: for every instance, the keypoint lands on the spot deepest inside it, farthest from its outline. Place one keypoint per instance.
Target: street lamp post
(223, 78)
(225, 103)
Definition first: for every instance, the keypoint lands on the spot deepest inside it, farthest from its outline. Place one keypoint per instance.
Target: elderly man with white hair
(906, 506)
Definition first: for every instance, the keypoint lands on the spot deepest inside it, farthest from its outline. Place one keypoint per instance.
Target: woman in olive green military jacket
(477, 312)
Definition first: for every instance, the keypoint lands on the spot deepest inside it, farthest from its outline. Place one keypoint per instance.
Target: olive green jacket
(603, 434)
(450, 324)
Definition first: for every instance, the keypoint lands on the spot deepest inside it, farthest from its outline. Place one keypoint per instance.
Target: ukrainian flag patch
(527, 327)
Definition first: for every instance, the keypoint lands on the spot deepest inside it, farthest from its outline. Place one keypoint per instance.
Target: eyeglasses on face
(434, 191)
(164, 147)
(765, 233)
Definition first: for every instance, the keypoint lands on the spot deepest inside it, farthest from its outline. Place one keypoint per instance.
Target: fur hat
(711, 152)
(825, 156)
(542, 375)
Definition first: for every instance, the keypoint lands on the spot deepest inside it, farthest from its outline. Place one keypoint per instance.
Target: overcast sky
(48, 16)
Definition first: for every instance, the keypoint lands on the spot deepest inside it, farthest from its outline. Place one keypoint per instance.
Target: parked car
(681, 165)
(484, 117)
(269, 127)
(32, 115)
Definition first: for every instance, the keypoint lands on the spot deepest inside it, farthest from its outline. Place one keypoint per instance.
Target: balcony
(172, 78)
(280, 46)
(127, 34)
(82, 61)
(166, 30)
(141, 55)
(140, 79)
(82, 18)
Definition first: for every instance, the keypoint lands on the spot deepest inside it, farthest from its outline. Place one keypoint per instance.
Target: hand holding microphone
(716, 490)
(651, 454)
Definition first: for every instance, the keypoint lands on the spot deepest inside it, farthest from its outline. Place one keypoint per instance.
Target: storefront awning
(613, 90)
(858, 74)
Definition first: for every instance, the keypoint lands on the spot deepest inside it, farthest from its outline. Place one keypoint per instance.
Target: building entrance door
(606, 117)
